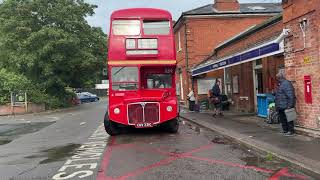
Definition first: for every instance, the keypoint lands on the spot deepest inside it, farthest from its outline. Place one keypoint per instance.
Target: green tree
(51, 43)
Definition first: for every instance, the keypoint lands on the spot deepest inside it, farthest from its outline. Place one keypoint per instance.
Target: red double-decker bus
(141, 68)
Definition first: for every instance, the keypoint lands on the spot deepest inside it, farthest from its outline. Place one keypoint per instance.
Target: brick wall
(227, 5)
(253, 39)
(300, 61)
(32, 108)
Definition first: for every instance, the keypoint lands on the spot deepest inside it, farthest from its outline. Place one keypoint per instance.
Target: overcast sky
(176, 7)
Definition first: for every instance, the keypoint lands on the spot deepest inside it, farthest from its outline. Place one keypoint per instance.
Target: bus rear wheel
(111, 127)
(172, 126)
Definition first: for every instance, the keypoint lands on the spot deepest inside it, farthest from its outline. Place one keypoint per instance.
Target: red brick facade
(300, 60)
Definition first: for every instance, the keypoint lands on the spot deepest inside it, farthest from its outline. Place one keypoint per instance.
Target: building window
(179, 42)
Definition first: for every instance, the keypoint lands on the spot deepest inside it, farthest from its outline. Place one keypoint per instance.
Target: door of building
(258, 80)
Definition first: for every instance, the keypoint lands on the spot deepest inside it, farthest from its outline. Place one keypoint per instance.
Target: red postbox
(308, 89)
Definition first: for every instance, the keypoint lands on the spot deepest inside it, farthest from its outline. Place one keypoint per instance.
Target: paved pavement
(302, 151)
(72, 144)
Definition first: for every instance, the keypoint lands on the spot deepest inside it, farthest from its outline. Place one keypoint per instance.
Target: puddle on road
(4, 141)
(9, 132)
(57, 153)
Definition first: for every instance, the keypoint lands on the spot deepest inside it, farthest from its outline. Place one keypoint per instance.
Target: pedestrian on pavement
(216, 99)
(285, 99)
(191, 99)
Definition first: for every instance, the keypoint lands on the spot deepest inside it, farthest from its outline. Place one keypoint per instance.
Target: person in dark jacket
(216, 99)
(285, 99)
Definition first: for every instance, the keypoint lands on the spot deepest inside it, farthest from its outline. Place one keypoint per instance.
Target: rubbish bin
(263, 101)
(204, 105)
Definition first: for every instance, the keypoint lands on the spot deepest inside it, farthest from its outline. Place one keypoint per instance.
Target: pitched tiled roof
(248, 8)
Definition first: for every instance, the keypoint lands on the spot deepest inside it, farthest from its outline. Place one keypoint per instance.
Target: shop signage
(267, 49)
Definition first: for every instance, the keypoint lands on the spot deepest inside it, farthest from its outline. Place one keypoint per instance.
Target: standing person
(191, 99)
(216, 99)
(285, 99)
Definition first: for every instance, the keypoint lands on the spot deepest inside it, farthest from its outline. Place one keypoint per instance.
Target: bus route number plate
(144, 125)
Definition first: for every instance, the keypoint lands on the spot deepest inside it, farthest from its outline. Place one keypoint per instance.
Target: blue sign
(239, 58)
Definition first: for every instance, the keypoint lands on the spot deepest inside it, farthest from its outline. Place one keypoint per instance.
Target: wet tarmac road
(38, 146)
(193, 153)
(74, 145)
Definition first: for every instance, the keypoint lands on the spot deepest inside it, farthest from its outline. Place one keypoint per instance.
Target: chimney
(227, 5)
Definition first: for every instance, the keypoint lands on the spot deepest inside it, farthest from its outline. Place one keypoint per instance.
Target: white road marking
(55, 118)
(83, 123)
(86, 158)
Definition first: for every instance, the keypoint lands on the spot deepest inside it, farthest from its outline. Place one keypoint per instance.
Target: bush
(16, 82)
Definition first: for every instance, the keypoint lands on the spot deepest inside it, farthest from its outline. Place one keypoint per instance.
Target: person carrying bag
(285, 104)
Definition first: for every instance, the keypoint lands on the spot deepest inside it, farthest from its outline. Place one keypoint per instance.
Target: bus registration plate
(144, 125)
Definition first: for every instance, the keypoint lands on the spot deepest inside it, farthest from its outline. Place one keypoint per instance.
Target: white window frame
(179, 42)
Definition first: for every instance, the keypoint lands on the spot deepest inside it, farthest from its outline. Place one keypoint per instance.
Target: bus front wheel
(111, 127)
(172, 126)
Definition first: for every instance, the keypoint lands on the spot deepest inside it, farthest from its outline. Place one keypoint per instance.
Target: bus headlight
(169, 108)
(116, 111)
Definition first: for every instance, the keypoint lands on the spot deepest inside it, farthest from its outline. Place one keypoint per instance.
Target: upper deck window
(126, 27)
(160, 27)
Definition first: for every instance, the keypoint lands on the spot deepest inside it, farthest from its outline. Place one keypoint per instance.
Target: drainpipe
(303, 27)
(186, 53)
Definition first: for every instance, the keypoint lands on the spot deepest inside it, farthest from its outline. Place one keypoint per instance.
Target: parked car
(87, 97)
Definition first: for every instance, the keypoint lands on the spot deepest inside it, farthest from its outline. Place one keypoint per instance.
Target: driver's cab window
(159, 81)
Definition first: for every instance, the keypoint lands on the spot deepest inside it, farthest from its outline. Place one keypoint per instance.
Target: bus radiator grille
(135, 113)
(151, 112)
(143, 112)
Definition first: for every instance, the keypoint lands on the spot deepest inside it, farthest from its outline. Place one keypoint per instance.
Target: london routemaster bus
(141, 69)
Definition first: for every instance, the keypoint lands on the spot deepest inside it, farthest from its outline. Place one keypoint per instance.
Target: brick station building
(198, 31)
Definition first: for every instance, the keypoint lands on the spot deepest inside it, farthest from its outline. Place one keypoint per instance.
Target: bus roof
(141, 13)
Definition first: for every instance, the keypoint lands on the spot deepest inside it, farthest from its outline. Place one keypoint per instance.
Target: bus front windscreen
(124, 78)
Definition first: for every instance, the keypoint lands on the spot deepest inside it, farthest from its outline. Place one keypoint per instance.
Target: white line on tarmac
(86, 158)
